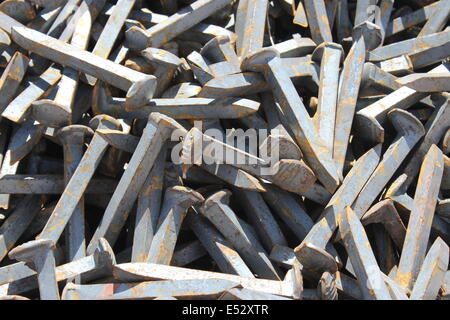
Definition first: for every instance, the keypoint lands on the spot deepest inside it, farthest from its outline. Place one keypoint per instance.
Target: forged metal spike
(366, 36)
(156, 132)
(49, 3)
(7, 23)
(343, 24)
(200, 67)
(216, 209)
(419, 225)
(176, 202)
(19, 278)
(20, 10)
(321, 232)
(443, 208)
(396, 291)
(375, 78)
(119, 139)
(11, 78)
(140, 87)
(8, 169)
(408, 47)
(261, 218)
(287, 148)
(438, 19)
(17, 222)
(362, 258)
(5, 41)
(189, 108)
(250, 26)
(11, 183)
(150, 271)
(221, 49)
(45, 19)
(57, 112)
(330, 56)
(300, 17)
(410, 130)
(294, 278)
(425, 82)
(122, 291)
(295, 47)
(13, 297)
(148, 209)
(429, 56)
(445, 145)
(227, 259)
(73, 138)
(292, 175)
(283, 255)
(384, 212)
(397, 193)
(165, 64)
(289, 174)
(58, 25)
(398, 66)
(268, 62)
(24, 140)
(247, 83)
(187, 253)
(410, 19)
(182, 91)
(323, 261)
(110, 32)
(65, 26)
(285, 205)
(234, 176)
(40, 254)
(326, 288)
(76, 187)
(19, 108)
(202, 32)
(383, 15)
(331, 6)
(370, 118)
(318, 22)
(173, 26)
(436, 127)
(363, 11)
(432, 272)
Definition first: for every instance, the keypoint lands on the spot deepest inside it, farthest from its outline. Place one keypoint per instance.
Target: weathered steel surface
(432, 272)
(217, 210)
(361, 256)
(174, 25)
(77, 184)
(282, 102)
(140, 87)
(73, 138)
(157, 131)
(40, 254)
(419, 225)
(268, 62)
(150, 271)
(177, 200)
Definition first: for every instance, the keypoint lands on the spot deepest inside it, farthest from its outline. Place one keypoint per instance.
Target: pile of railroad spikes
(100, 102)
